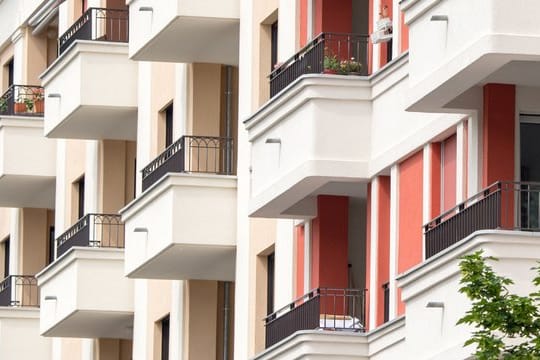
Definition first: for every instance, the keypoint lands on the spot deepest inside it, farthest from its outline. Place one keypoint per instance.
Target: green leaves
(497, 315)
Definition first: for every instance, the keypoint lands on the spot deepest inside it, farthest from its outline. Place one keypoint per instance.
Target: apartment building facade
(269, 179)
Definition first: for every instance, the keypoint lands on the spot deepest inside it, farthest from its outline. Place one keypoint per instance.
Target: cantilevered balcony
(503, 205)
(185, 31)
(458, 45)
(27, 159)
(328, 53)
(91, 89)
(84, 292)
(313, 136)
(183, 226)
(320, 309)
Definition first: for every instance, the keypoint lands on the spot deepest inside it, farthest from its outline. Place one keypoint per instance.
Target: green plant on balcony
(3, 105)
(331, 64)
(351, 66)
(29, 103)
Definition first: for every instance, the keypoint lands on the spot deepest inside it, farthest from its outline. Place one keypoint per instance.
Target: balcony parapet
(19, 291)
(22, 100)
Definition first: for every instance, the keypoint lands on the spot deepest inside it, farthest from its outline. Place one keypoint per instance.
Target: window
(51, 245)
(165, 327)
(80, 197)
(6, 258)
(10, 73)
(271, 265)
(274, 44)
(168, 125)
(386, 302)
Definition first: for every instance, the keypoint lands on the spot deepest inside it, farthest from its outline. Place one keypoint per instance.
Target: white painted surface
(285, 263)
(191, 229)
(97, 85)
(19, 335)
(27, 163)
(394, 226)
(184, 31)
(93, 298)
(14, 240)
(374, 252)
(432, 333)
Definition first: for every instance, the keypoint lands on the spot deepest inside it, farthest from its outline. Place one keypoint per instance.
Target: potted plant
(3, 105)
(330, 64)
(29, 104)
(19, 106)
(350, 67)
(39, 103)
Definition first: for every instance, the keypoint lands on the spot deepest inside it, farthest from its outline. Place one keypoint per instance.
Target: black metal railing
(19, 290)
(97, 24)
(26, 100)
(203, 154)
(502, 205)
(93, 230)
(328, 52)
(323, 308)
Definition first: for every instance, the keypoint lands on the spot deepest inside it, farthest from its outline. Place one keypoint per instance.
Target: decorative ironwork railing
(502, 205)
(329, 52)
(25, 100)
(19, 290)
(202, 154)
(97, 24)
(323, 308)
(93, 230)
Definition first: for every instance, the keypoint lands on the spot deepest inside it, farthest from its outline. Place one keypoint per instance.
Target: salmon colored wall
(303, 22)
(410, 215)
(435, 180)
(300, 246)
(383, 265)
(449, 172)
(368, 252)
(498, 133)
(333, 16)
(404, 31)
(329, 264)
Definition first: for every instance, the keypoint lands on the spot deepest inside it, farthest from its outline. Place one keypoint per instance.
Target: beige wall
(206, 100)
(159, 306)
(35, 235)
(75, 168)
(117, 169)
(162, 95)
(200, 314)
(71, 348)
(114, 349)
(5, 56)
(35, 61)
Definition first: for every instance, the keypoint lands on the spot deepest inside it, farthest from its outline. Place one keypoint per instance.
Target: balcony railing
(19, 290)
(323, 308)
(503, 205)
(327, 53)
(97, 24)
(202, 154)
(25, 100)
(93, 230)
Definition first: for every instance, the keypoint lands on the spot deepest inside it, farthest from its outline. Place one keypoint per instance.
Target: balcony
(328, 53)
(19, 290)
(183, 226)
(185, 31)
(91, 89)
(503, 205)
(456, 45)
(27, 159)
(314, 136)
(320, 309)
(84, 293)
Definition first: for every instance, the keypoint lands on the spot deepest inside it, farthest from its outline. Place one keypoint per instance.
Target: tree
(498, 315)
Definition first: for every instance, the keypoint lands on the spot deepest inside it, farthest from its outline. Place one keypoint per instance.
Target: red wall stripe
(300, 261)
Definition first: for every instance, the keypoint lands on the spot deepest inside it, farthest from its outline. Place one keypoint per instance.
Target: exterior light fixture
(272, 141)
(51, 298)
(54, 95)
(439, 18)
(435, 304)
(146, 8)
(140, 230)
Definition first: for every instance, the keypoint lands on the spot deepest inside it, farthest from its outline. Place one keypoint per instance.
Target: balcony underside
(27, 191)
(98, 122)
(94, 324)
(189, 262)
(194, 39)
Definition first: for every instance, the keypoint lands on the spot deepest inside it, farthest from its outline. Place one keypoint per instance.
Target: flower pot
(19, 107)
(39, 106)
(330, 71)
